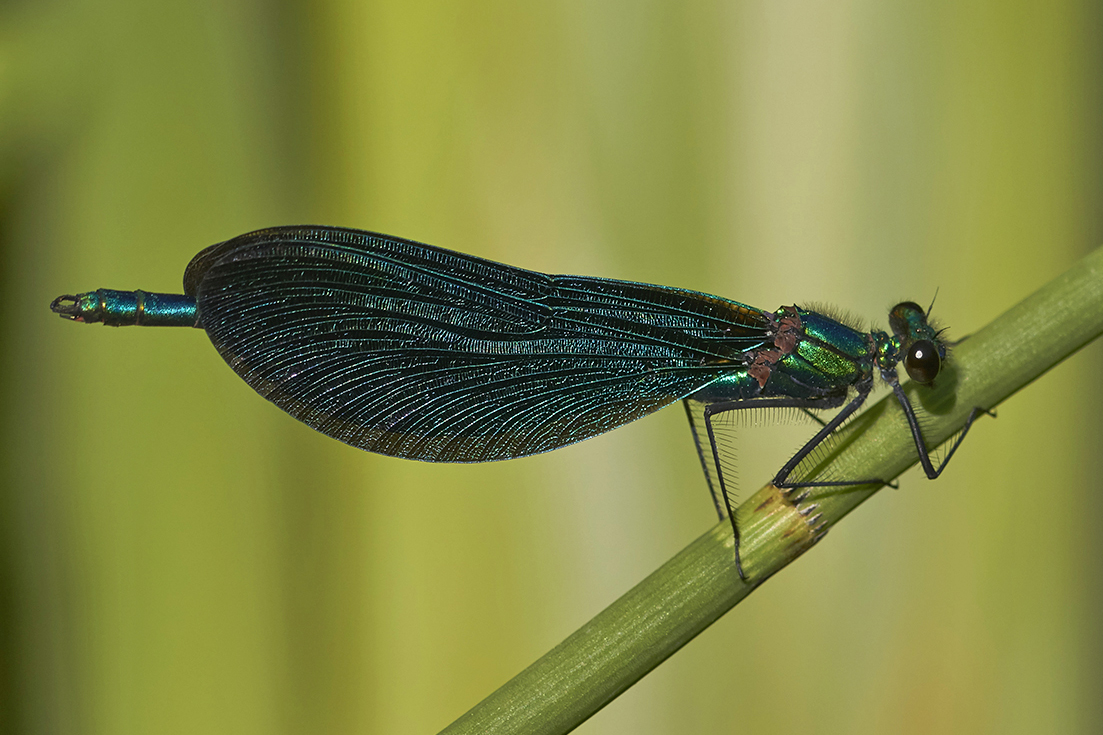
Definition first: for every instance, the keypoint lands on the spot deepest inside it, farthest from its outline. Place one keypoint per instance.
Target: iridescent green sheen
(736, 382)
(829, 355)
(842, 338)
(834, 368)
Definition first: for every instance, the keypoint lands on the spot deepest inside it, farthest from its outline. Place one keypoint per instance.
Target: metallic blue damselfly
(413, 351)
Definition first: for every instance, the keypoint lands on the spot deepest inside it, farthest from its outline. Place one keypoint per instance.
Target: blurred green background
(178, 556)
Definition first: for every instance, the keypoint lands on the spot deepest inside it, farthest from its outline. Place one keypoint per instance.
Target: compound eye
(923, 361)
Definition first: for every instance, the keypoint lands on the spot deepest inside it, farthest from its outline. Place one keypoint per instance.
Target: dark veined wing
(409, 350)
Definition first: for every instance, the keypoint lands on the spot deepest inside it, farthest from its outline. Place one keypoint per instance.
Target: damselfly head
(923, 350)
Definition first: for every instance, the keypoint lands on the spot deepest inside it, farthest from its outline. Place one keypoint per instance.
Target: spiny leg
(781, 480)
(713, 409)
(917, 435)
(718, 502)
(724, 490)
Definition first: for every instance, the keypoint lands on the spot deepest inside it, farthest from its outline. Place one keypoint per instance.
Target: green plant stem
(684, 596)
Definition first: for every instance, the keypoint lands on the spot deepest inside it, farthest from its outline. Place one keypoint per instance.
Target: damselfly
(413, 351)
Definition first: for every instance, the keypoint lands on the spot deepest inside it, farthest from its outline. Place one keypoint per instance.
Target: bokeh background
(177, 556)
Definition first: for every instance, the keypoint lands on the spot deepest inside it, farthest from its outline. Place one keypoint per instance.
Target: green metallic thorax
(807, 356)
(831, 355)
